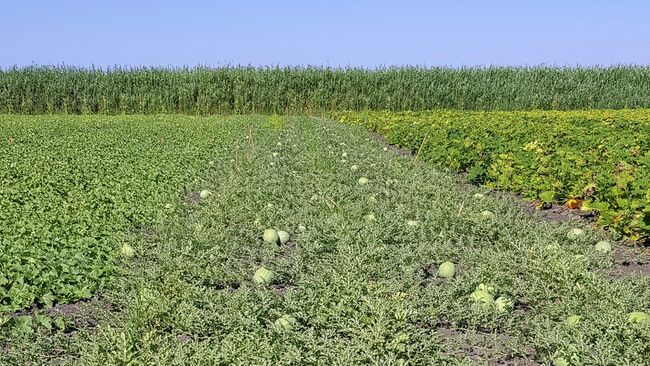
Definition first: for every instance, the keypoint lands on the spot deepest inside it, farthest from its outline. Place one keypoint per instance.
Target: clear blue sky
(335, 33)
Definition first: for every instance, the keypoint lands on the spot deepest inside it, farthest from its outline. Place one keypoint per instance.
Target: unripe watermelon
(205, 194)
(503, 304)
(271, 236)
(483, 297)
(573, 320)
(286, 322)
(284, 236)
(560, 361)
(447, 270)
(603, 247)
(552, 247)
(263, 276)
(638, 317)
(127, 251)
(575, 234)
(487, 215)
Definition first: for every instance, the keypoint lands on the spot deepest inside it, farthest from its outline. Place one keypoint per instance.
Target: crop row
(596, 160)
(38, 90)
(71, 189)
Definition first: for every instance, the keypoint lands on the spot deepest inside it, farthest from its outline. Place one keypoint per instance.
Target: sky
(324, 33)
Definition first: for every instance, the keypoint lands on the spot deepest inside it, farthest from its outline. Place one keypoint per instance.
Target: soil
(85, 313)
(282, 288)
(193, 198)
(184, 338)
(629, 261)
(489, 348)
(287, 249)
(233, 286)
(397, 150)
(558, 213)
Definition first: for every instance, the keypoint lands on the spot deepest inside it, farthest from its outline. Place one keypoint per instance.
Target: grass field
(357, 283)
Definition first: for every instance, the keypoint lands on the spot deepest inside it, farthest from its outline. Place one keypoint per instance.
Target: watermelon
(363, 181)
(503, 304)
(603, 246)
(482, 297)
(447, 270)
(354, 168)
(271, 236)
(575, 234)
(573, 320)
(487, 215)
(127, 251)
(638, 317)
(479, 196)
(284, 236)
(560, 361)
(205, 194)
(263, 276)
(286, 322)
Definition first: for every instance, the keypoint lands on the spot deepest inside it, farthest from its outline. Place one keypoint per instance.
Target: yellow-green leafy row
(599, 159)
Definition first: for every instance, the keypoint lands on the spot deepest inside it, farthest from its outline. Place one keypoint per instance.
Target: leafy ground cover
(357, 282)
(70, 189)
(596, 160)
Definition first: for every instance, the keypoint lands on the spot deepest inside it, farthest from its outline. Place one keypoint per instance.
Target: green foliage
(243, 90)
(547, 196)
(601, 156)
(354, 291)
(72, 188)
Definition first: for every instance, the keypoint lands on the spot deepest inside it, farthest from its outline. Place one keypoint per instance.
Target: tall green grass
(62, 89)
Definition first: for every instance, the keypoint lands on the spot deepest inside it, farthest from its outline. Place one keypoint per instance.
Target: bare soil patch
(281, 289)
(85, 314)
(629, 261)
(396, 149)
(491, 348)
(192, 198)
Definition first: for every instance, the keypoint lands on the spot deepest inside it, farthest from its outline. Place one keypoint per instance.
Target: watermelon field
(235, 217)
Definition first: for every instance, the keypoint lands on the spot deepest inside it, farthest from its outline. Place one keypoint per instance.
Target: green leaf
(547, 196)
